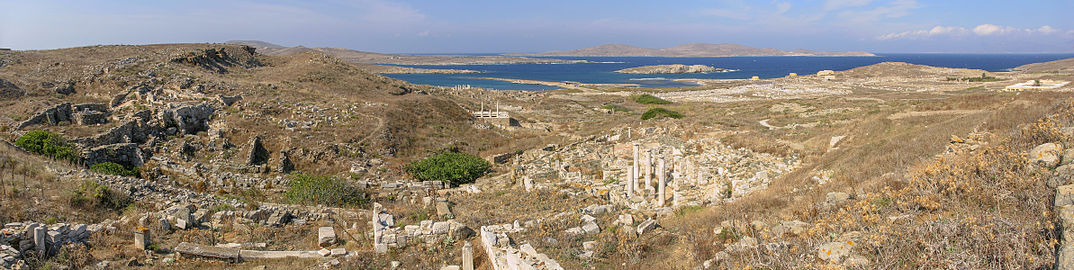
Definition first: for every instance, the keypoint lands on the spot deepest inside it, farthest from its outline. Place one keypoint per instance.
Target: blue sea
(600, 69)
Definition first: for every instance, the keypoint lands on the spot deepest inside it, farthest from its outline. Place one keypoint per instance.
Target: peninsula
(671, 69)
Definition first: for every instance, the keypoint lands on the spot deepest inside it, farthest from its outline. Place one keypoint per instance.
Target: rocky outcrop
(9, 91)
(670, 69)
(220, 59)
(1046, 155)
(62, 88)
(127, 154)
(54, 115)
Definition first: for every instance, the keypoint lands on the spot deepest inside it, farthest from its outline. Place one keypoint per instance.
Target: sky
(502, 26)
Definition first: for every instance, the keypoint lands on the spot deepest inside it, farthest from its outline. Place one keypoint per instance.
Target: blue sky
(437, 26)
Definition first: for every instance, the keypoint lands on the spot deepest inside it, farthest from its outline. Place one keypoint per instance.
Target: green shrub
(46, 143)
(450, 167)
(650, 99)
(114, 169)
(660, 113)
(323, 189)
(615, 107)
(91, 194)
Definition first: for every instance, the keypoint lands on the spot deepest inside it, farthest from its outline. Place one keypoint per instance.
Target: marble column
(637, 157)
(648, 169)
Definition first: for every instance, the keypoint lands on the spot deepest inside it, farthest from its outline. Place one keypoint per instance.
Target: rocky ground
(886, 166)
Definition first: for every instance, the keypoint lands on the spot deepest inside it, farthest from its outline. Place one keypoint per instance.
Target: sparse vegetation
(90, 195)
(323, 189)
(656, 113)
(47, 143)
(615, 108)
(650, 99)
(450, 167)
(114, 169)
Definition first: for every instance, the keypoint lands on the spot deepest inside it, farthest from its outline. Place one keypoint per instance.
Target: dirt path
(902, 115)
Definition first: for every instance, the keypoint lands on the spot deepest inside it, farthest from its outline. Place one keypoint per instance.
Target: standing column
(630, 183)
(660, 183)
(648, 169)
(467, 256)
(637, 156)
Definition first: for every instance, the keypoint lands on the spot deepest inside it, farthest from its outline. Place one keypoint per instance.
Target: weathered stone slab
(262, 254)
(189, 249)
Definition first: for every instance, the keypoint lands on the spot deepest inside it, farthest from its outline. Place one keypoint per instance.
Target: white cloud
(839, 4)
(990, 29)
(980, 30)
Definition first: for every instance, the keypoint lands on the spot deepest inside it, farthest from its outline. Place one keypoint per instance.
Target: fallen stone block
(189, 249)
(326, 236)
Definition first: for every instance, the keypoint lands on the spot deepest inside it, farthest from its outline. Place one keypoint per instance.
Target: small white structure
(1036, 85)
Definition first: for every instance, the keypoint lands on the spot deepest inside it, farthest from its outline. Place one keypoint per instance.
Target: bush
(450, 167)
(650, 99)
(114, 169)
(323, 189)
(46, 143)
(615, 107)
(660, 113)
(91, 194)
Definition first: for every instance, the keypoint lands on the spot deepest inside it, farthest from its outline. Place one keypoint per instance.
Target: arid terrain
(228, 156)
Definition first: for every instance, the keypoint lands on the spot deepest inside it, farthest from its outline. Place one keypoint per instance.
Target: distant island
(360, 57)
(691, 50)
(670, 69)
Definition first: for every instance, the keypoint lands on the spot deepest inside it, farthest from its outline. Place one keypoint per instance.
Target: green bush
(114, 169)
(650, 99)
(323, 189)
(46, 143)
(660, 113)
(450, 167)
(91, 194)
(615, 107)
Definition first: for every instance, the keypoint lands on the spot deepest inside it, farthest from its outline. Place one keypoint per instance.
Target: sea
(601, 69)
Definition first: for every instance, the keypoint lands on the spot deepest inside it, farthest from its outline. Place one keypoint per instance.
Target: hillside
(1057, 66)
(691, 50)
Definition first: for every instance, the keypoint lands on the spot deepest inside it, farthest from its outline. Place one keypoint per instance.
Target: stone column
(377, 228)
(630, 183)
(661, 182)
(648, 169)
(637, 156)
(467, 256)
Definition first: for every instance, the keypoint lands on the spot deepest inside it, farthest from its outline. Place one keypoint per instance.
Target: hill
(1063, 65)
(691, 50)
(362, 57)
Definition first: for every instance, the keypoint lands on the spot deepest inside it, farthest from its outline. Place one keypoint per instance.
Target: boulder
(1046, 155)
(192, 119)
(833, 252)
(9, 91)
(443, 210)
(647, 226)
(834, 198)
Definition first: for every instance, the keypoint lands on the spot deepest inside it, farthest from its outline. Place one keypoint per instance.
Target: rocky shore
(671, 69)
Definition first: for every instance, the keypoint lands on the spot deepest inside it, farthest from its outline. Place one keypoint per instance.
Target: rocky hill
(691, 50)
(670, 69)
